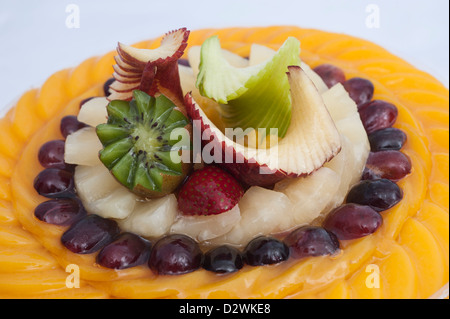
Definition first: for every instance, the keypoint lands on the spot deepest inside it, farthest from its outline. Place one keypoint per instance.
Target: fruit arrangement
(129, 199)
(133, 156)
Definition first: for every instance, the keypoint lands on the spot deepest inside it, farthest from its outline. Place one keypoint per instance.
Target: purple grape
(377, 115)
(184, 62)
(55, 183)
(387, 139)
(264, 250)
(106, 86)
(360, 90)
(128, 250)
(351, 221)
(392, 165)
(90, 234)
(330, 74)
(51, 155)
(175, 254)
(223, 259)
(308, 241)
(70, 124)
(61, 212)
(380, 194)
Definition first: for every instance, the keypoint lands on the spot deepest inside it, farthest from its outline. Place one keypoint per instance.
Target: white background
(36, 42)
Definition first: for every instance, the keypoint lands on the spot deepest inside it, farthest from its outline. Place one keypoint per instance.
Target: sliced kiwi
(138, 147)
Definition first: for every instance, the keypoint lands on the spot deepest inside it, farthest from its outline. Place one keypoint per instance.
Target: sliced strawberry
(209, 191)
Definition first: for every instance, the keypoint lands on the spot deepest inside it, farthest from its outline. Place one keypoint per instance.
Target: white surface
(35, 41)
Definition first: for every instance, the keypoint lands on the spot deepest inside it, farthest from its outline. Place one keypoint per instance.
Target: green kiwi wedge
(139, 148)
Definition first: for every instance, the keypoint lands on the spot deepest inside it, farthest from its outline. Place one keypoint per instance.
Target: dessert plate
(406, 258)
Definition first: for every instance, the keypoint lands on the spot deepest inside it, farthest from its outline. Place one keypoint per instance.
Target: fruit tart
(269, 162)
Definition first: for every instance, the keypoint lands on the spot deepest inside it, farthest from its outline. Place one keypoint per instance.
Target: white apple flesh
(311, 140)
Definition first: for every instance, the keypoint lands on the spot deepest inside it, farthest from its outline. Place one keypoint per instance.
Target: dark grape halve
(51, 155)
(223, 259)
(55, 183)
(70, 124)
(387, 139)
(174, 255)
(380, 194)
(265, 250)
(376, 115)
(392, 165)
(352, 221)
(330, 74)
(106, 86)
(90, 234)
(126, 251)
(311, 241)
(360, 90)
(62, 211)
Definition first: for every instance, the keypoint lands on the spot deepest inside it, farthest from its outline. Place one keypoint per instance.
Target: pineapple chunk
(93, 112)
(118, 204)
(205, 228)
(310, 195)
(82, 147)
(263, 211)
(93, 183)
(152, 218)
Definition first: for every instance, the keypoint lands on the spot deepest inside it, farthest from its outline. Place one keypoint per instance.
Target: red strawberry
(209, 191)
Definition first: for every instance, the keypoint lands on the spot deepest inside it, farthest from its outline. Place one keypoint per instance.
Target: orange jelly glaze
(408, 256)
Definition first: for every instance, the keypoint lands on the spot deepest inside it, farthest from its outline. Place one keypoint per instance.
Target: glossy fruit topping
(90, 234)
(377, 115)
(264, 250)
(54, 183)
(51, 155)
(360, 90)
(351, 221)
(137, 150)
(70, 124)
(330, 74)
(209, 191)
(386, 139)
(126, 251)
(174, 255)
(393, 165)
(307, 241)
(223, 259)
(380, 194)
(61, 212)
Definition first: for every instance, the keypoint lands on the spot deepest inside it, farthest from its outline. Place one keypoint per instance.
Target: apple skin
(311, 141)
(247, 171)
(159, 75)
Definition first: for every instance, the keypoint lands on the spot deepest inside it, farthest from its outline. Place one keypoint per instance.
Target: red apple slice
(152, 71)
(171, 49)
(125, 66)
(127, 78)
(124, 86)
(119, 96)
(311, 139)
(125, 74)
